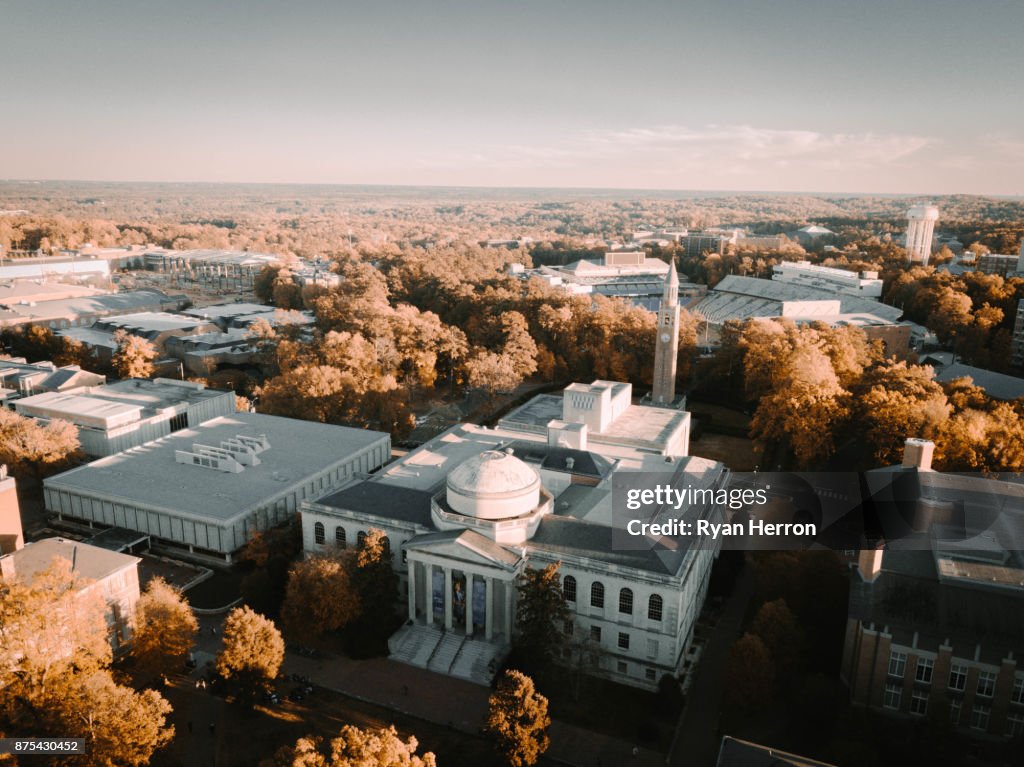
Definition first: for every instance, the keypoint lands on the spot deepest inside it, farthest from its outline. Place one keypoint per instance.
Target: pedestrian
(636, 751)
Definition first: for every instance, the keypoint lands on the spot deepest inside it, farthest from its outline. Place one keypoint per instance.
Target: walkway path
(698, 739)
(423, 694)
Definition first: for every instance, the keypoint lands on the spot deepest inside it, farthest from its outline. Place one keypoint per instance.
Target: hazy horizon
(731, 96)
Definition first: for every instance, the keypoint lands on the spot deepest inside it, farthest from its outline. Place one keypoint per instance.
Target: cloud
(724, 149)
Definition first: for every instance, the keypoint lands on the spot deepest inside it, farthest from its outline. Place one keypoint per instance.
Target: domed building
(466, 513)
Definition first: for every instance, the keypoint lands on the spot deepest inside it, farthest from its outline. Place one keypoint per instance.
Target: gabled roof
(466, 546)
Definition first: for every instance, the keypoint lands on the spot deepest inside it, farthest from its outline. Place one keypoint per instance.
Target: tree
(165, 629)
(541, 614)
(354, 747)
(49, 626)
(120, 726)
(376, 582)
(750, 674)
(134, 356)
(252, 651)
(518, 720)
(32, 450)
(777, 626)
(320, 596)
(54, 670)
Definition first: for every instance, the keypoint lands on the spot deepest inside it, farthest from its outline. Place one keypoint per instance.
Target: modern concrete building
(619, 274)
(466, 513)
(82, 311)
(995, 385)
(920, 232)
(742, 298)
(19, 378)
(203, 491)
(155, 327)
(125, 414)
(114, 575)
(1002, 264)
(863, 284)
(222, 269)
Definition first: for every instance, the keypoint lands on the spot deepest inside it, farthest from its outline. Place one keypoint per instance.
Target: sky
(884, 96)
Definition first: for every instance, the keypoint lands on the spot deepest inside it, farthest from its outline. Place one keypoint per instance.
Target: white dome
(493, 485)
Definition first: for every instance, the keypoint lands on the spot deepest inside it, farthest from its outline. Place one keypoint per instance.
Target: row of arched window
(655, 605)
(341, 537)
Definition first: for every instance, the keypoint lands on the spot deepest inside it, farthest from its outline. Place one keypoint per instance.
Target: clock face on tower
(665, 338)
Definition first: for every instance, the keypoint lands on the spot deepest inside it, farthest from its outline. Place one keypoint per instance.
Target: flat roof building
(863, 284)
(125, 414)
(206, 489)
(19, 378)
(82, 311)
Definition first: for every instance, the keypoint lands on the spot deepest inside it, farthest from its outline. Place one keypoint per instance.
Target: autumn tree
(517, 720)
(54, 669)
(33, 450)
(376, 583)
(320, 596)
(749, 673)
(354, 747)
(777, 626)
(120, 726)
(134, 356)
(541, 614)
(165, 629)
(252, 651)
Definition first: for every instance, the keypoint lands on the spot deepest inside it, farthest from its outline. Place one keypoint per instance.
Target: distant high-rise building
(920, 229)
(1020, 258)
(667, 350)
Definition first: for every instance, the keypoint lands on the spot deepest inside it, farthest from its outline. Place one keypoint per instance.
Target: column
(448, 599)
(469, 604)
(429, 590)
(412, 590)
(489, 609)
(506, 587)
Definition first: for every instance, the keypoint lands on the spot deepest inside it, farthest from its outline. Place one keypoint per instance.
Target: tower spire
(666, 348)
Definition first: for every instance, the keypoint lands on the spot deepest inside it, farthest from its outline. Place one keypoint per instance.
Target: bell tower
(666, 350)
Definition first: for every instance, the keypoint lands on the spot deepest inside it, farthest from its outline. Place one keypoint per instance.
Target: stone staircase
(473, 661)
(444, 654)
(414, 644)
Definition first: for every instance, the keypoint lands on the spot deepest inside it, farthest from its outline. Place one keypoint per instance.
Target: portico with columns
(462, 582)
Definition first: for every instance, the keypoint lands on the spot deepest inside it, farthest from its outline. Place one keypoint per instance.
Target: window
(893, 695)
(652, 648)
(623, 641)
(979, 717)
(405, 556)
(986, 683)
(597, 594)
(1014, 725)
(897, 663)
(919, 702)
(626, 601)
(595, 633)
(339, 537)
(925, 666)
(954, 712)
(957, 677)
(622, 667)
(361, 538)
(569, 588)
(318, 533)
(1017, 694)
(179, 421)
(385, 543)
(654, 607)
(650, 674)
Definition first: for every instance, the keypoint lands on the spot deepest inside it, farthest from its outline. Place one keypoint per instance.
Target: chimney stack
(917, 454)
